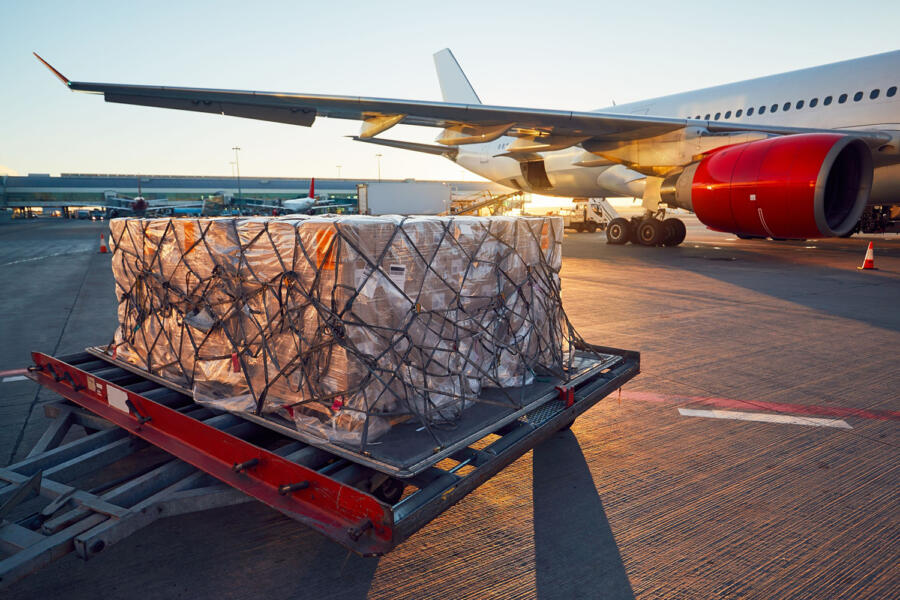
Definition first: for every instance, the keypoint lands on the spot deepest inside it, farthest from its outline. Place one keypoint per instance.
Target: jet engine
(797, 186)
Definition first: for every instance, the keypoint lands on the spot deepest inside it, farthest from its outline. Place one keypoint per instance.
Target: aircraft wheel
(618, 232)
(651, 232)
(675, 231)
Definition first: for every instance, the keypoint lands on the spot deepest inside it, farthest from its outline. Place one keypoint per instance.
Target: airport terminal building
(41, 194)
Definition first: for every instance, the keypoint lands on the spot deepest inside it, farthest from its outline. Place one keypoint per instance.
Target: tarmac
(756, 456)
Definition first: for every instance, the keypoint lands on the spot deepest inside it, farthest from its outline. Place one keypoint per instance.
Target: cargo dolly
(150, 452)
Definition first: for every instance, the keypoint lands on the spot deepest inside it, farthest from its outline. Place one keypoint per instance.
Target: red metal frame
(344, 513)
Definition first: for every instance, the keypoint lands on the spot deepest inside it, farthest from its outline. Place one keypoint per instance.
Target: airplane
(808, 154)
(137, 206)
(302, 204)
(309, 204)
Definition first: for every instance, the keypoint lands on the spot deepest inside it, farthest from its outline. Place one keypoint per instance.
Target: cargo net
(345, 326)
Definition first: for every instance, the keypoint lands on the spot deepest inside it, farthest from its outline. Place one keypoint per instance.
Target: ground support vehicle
(588, 215)
(150, 452)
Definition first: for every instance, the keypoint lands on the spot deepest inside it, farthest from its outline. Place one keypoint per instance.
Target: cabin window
(762, 109)
(799, 104)
(728, 114)
(874, 94)
(857, 96)
(706, 118)
(827, 100)
(718, 114)
(813, 102)
(891, 91)
(737, 115)
(842, 98)
(773, 108)
(697, 117)
(750, 111)
(787, 106)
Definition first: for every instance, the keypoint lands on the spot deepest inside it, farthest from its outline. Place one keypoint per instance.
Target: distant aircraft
(310, 204)
(807, 154)
(302, 205)
(137, 206)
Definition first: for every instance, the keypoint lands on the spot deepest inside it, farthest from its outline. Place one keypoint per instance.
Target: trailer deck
(210, 458)
(409, 448)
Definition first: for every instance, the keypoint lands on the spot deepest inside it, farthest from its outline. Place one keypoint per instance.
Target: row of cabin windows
(891, 91)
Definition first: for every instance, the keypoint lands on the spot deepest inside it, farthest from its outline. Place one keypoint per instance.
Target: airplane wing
(467, 123)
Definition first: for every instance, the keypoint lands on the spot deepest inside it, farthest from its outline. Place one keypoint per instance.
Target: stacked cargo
(343, 325)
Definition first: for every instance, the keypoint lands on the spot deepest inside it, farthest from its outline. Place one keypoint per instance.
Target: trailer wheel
(592, 227)
(390, 491)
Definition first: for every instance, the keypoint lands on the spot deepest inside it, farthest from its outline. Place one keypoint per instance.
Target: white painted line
(14, 378)
(764, 417)
(16, 262)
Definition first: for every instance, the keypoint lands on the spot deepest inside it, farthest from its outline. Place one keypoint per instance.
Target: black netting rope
(181, 318)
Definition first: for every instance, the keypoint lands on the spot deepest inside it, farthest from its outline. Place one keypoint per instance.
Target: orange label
(190, 235)
(545, 236)
(324, 240)
(149, 246)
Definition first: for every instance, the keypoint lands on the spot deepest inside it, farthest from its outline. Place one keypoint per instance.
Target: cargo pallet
(207, 459)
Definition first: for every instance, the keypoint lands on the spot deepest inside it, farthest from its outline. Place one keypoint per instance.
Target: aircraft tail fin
(455, 86)
(312, 188)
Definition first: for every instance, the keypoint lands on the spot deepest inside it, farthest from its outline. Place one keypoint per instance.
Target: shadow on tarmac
(784, 270)
(576, 555)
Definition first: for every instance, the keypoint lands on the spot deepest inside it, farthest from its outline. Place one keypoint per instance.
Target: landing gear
(647, 231)
(675, 231)
(650, 232)
(618, 231)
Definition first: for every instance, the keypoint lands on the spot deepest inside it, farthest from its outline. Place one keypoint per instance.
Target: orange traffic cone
(869, 262)
(103, 249)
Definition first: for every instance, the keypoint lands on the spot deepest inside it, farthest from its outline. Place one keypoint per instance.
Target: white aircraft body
(301, 205)
(807, 154)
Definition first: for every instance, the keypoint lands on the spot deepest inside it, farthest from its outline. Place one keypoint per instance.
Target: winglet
(59, 75)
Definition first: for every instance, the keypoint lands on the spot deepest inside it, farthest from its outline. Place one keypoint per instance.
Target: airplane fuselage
(855, 94)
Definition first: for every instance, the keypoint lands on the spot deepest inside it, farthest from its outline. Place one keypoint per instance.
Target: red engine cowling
(797, 186)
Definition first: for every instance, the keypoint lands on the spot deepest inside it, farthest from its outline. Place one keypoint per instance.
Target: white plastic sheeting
(344, 325)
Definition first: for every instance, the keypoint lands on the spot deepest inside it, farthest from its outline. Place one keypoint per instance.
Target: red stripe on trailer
(341, 511)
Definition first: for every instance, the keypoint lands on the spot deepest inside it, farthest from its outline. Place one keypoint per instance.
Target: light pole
(378, 158)
(339, 171)
(237, 164)
(231, 162)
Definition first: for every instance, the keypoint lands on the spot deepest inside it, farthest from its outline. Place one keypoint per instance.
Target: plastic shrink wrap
(343, 325)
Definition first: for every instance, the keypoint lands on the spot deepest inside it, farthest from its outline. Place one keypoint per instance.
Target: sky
(564, 55)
